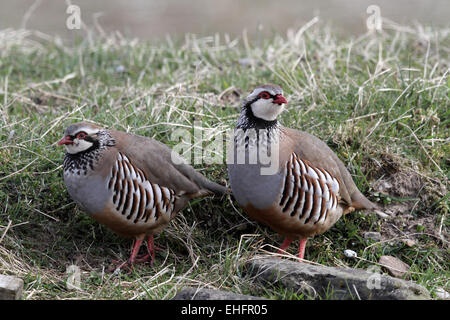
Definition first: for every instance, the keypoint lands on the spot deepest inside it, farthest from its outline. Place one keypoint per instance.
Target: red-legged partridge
(308, 189)
(129, 183)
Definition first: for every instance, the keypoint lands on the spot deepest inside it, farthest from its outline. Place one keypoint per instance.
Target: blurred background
(150, 19)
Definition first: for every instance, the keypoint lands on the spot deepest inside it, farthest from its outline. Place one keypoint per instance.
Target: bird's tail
(215, 188)
(360, 202)
(207, 187)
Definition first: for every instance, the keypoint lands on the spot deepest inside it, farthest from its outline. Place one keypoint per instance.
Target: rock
(384, 214)
(394, 266)
(188, 293)
(350, 253)
(330, 282)
(442, 294)
(73, 281)
(409, 242)
(375, 236)
(120, 69)
(11, 135)
(247, 62)
(11, 288)
(384, 185)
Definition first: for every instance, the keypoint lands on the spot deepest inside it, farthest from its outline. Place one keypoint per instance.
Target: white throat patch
(78, 145)
(266, 110)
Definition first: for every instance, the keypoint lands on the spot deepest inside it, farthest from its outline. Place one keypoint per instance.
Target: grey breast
(250, 182)
(88, 191)
(250, 186)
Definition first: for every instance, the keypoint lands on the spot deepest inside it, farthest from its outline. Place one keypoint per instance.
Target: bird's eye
(264, 95)
(81, 135)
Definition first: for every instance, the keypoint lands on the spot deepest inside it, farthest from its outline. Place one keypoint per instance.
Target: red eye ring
(265, 95)
(81, 135)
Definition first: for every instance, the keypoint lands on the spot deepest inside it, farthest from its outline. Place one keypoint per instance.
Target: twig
(48, 216)
(46, 83)
(364, 116)
(6, 230)
(29, 12)
(194, 265)
(421, 145)
(59, 119)
(405, 236)
(18, 171)
(5, 101)
(401, 95)
(356, 291)
(389, 267)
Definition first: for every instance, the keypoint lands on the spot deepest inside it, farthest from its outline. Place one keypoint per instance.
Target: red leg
(135, 258)
(134, 252)
(285, 245)
(301, 248)
(132, 260)
(151, 248)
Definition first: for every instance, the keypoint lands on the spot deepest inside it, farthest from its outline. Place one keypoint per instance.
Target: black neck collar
(248, 120)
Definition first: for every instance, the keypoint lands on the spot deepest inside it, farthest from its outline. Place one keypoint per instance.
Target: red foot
(301, 247)
(120, 265)
(284, 245)
(135, 258)
(143, 258)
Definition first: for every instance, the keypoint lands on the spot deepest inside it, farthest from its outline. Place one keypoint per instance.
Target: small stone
(350, 253)
(409, 242)
(320, 282)
(442, 294)
(120, 68)
(383, 215)
(73, 281)
(247, 62)
(394, 266)
(11, 288)
(189, 293)
(11, 135)
(375, 236)
(384, 185)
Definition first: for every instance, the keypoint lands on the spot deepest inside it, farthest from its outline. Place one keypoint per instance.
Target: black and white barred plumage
(308, 193)
(135, 196)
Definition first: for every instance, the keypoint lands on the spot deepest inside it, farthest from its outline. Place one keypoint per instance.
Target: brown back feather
(317, 152)
(154, 158)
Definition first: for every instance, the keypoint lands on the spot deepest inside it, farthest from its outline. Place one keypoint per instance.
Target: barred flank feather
(134, 196)
(308, 193)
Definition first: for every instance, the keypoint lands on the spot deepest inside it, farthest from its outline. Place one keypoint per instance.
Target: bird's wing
(162, 166)
(317, 152)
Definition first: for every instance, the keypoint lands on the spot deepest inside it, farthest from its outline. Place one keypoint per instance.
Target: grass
(381, 102)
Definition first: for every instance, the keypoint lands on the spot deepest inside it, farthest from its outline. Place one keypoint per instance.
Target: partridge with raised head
(131, 184)
(307, 190)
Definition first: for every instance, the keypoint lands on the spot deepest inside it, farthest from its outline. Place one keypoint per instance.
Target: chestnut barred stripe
(135, 197)
(306, 210)
(284, 192)
(142, 203)
(292, 183)
(308, 193)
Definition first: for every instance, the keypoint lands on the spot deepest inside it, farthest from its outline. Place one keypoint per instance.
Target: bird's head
(265, 102)
(80, 137)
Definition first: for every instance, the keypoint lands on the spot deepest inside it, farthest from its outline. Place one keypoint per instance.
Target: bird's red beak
(65, 140)
(279, 99)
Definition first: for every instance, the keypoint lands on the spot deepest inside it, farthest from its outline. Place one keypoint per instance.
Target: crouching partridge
(308, 189)
(129, 183)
